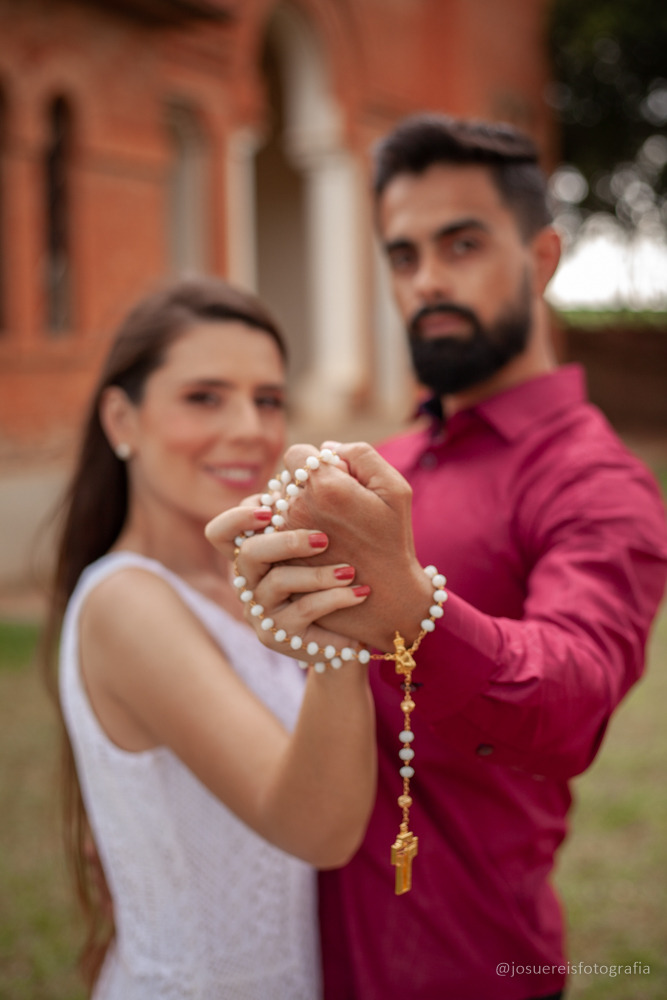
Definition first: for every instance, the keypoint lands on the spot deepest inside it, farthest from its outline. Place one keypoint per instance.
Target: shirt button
(428, 460)
(484, 750)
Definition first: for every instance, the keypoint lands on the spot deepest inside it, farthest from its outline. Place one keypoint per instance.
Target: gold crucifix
(402, 852)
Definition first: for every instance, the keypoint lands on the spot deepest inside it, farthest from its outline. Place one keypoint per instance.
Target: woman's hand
(292, 592)
(366, 513)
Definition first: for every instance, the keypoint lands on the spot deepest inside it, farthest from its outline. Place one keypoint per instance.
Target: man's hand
(367, 518)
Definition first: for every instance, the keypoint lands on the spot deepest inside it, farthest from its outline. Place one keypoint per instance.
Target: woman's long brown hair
(91, 517)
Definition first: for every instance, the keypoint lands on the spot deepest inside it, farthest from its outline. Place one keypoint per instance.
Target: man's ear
(117, 416)
(545, 250)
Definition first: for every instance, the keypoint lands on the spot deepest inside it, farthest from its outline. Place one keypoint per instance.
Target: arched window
(57, 176)
(186, 195)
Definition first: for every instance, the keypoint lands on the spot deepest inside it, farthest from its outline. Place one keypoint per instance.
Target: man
(552, 538)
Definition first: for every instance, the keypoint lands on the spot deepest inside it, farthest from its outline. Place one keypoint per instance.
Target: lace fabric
(204, 907)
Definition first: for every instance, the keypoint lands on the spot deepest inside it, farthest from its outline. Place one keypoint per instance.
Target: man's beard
(451, 364)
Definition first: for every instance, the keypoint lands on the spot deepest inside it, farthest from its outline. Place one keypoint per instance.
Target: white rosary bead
(427, 625)
(438, 580)
(278, 520)
(329, 652)
(407, 771)
(304, 664)
(301, 476)
(267, 500)
(292, 490)
(239, 540)
(406, 753)
(336, 663)
(266, 624)
(296, 642)
(274, 484)
(326, 455)
(282, 505)
(285, 477)
(247, 595)
(430, 571)
(312, 462)
(269, 529)
(440, 595)
(312, 648)
(257, 610)
(280, 635)
(320, 667)
(363, 656)
(407, 736)
(239, 582)
(436, 611)
(347, 653)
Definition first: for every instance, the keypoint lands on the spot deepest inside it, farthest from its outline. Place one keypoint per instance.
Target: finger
(293, 628)
(371, 470)
(223, 531)
(296, 455)
(254, 500)
(261, 551)
(335, 446)
(282, 582)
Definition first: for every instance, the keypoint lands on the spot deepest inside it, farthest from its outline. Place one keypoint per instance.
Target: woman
(204, 801)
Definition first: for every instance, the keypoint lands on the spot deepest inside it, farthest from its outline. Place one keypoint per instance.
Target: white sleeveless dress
(205, 909)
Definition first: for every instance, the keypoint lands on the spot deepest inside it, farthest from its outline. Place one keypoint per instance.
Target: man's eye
(203, 398)
(463, 245)
(401, 259)
(270, 402)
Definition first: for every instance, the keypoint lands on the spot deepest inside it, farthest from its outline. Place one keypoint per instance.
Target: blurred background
(143, 138)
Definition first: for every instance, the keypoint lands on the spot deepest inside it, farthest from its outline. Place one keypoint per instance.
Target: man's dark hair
(426, 140)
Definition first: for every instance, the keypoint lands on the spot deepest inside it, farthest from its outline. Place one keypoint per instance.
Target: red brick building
(143, 137)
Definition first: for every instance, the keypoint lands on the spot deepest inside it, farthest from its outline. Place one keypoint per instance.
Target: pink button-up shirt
(553, 541)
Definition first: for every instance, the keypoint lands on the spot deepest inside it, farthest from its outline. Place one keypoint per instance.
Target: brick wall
(626, 368)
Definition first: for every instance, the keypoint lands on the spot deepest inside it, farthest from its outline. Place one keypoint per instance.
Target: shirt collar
(513, 412)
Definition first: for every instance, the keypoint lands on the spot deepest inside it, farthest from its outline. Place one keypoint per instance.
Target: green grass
(612, 871)
(17, 645)
(606, 318)
(39, 924)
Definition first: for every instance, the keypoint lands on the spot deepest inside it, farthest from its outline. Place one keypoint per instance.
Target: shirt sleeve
(537, 693)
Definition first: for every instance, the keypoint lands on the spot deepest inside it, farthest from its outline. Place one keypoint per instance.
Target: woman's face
(211, 425)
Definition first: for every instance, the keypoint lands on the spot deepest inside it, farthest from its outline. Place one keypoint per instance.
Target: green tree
(609, 93)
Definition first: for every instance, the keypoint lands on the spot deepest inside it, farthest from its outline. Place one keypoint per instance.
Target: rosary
(277, 498)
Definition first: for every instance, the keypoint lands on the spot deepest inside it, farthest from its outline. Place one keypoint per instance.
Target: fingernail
(262, 514)
(344, 572)
(317, 539)
(362, 591)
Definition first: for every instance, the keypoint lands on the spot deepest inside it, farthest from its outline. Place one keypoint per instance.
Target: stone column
(335, 274)
(241, 222)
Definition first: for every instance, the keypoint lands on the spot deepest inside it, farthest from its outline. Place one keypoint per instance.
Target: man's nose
(432, 280)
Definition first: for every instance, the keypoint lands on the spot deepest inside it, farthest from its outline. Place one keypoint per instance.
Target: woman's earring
(123, 451)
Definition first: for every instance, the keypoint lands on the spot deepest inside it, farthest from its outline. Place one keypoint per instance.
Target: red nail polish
(317, 539)
(262, 514)
(362, 591)
(344, 572)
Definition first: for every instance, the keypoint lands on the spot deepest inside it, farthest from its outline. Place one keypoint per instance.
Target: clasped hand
(356, 514)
